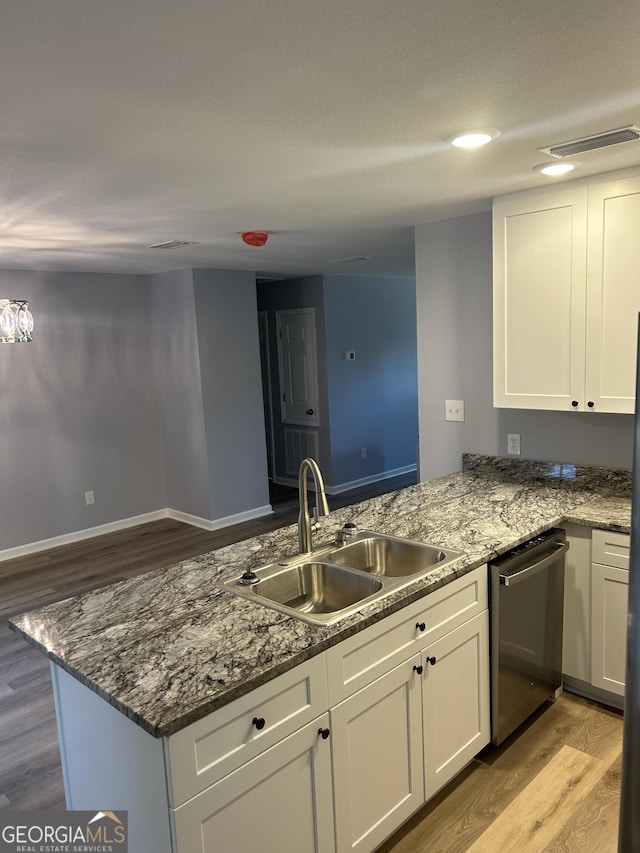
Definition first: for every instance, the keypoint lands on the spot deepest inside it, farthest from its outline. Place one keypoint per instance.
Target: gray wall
(80, 407)
(454, 303)
(180, 393)
(145, 389)
(229, 355)
(373, 401)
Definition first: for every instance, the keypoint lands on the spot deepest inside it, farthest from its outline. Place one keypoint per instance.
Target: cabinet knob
(324, 733)
(418, 669)
(258, 722)
(432, 660)
(421, 626)
(591, 404)
(574, 403)
(310, 411)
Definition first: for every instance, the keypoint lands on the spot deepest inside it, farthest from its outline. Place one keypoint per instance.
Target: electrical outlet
(363, 453)
(454, 410)
(513, 443)
(89, 497)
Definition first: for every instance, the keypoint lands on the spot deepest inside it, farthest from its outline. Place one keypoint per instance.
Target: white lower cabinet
(610, 595)
(576, 635)
(328, 757)
(595, 613)
(455, 701)
(378, 777)
(399, 739)
(609, 608)
(279, 802)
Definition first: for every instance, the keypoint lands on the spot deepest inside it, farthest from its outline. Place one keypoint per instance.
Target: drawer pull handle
(432, 660)
(418, 669)
(258, 722)
(421, 626)
(324, 733)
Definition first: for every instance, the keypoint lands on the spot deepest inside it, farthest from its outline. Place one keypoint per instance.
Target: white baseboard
(133, 521)
(288, 481)
(219, 523)
(374, 478)
(79, 535)
(354, 484)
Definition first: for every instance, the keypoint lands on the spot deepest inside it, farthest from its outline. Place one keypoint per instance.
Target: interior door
(298, 365)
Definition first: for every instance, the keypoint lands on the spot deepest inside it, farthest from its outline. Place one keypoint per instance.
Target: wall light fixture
(16, 321)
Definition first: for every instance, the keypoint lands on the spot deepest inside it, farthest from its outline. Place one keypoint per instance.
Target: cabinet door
(576, 635)
(280, 800)
(377, 758)
(455, 689)
(609, 596)
(613, 294)
(539, 264)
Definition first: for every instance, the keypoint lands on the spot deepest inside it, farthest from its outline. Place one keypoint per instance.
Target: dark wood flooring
(552, 787)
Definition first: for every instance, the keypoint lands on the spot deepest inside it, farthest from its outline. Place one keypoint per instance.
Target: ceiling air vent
(592, 143)
(353, 260)
(172, 244)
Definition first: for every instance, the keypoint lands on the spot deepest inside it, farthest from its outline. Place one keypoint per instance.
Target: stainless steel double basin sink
(335, 580)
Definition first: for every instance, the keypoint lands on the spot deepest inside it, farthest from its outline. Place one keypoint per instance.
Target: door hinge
(280, 334)
(284, 398)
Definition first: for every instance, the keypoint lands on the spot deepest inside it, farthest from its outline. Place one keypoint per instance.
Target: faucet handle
(346, 532)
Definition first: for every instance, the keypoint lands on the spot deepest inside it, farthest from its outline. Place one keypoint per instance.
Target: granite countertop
(168, 647)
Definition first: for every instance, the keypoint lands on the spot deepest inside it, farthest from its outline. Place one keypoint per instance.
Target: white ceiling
(130, 122)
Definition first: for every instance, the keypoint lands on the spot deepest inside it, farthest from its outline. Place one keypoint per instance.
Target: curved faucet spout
(304, 519)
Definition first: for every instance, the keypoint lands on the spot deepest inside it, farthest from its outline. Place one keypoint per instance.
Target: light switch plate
(454, 410)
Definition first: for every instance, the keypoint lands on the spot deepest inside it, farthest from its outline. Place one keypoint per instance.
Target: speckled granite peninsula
(169, 647)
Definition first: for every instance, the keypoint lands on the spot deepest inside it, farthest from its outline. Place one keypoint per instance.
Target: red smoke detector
(255, 238)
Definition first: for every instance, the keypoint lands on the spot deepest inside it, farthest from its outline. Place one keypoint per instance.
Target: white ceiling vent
(592, 143)
(172, 244)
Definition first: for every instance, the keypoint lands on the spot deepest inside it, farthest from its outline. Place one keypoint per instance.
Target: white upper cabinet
(613, 294)
(566, 297)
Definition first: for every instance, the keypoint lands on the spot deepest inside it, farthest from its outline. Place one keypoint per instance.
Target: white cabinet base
(456, 701)
(279, 800)
(111, 764)
(609, 627)
(377, 758)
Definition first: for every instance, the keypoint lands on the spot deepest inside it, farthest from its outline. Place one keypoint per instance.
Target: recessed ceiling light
(555, 168)
(473, 138)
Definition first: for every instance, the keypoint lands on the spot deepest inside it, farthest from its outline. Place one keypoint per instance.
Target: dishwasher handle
(534, 568)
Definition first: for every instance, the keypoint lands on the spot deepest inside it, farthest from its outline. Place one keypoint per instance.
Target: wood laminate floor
(552, 787)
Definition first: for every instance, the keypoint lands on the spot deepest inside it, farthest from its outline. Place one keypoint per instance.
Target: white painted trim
(218, 523)
(79, 535)
(287, 481)
(354, 484)
(134, 521)
(374, 478)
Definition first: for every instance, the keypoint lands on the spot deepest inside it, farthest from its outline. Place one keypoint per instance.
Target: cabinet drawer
(357, 661)
(210, 748)
(611, 549)
(279, 801)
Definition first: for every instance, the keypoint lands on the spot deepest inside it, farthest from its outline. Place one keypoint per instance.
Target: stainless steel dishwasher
(527, 598)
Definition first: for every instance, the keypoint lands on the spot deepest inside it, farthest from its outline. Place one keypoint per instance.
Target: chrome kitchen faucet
(305, 528)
